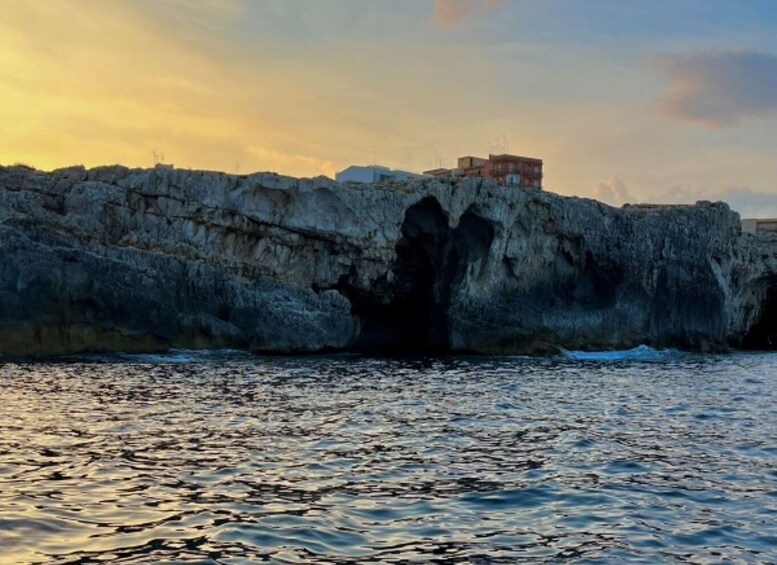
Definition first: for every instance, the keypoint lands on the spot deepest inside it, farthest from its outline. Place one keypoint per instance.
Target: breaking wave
(170, 356)
(640, 353)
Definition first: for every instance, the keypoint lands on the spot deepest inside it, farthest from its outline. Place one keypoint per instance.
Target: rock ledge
(118, 259)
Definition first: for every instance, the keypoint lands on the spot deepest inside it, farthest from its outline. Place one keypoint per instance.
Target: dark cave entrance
(409, 313)
(763, 335)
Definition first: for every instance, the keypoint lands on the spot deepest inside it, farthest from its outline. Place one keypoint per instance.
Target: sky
(667, 101)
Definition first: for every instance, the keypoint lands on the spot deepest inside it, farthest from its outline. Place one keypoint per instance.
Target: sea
(639, 456)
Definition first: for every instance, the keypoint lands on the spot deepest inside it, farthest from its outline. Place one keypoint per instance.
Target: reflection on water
(230, 459)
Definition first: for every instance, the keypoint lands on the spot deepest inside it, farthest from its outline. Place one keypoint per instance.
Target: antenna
(237, 167)
(374, 157)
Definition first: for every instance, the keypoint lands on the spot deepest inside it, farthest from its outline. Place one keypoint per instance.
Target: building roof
(367, 167)
(506, 156)
(373, 173)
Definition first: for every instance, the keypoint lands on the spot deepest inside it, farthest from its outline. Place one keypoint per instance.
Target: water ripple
(224, 458)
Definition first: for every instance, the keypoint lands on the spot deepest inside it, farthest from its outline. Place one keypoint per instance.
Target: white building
(759, 225)
(373, 174)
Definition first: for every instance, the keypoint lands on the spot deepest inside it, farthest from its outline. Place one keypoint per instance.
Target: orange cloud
(613, 191)
(118, 84)
(448, 13)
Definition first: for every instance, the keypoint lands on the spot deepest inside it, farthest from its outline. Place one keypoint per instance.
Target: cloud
(449, 13)
(292, 162)
(613, 191)
(718, 89)
(127, 76)
(749, 203)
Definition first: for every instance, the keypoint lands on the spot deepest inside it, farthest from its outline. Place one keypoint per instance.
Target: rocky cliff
(114, 259)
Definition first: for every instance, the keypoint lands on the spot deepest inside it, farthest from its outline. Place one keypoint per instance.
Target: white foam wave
(640, 353)
(170, 356)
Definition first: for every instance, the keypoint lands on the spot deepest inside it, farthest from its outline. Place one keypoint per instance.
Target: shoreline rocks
(117, 259)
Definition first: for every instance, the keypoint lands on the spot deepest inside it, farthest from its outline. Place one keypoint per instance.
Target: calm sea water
(643, 457)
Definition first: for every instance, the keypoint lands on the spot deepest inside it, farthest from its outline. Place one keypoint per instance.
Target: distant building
(373, 174)
(470, 162)
(442, 173)
(510, 170)
(760, 225)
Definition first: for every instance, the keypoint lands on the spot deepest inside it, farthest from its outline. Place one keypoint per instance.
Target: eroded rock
(114, 259)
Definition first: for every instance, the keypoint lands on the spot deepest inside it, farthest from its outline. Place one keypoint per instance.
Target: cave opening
(763, 335)
(408, 313)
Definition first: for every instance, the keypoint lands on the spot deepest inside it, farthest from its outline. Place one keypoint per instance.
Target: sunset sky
(625, 100)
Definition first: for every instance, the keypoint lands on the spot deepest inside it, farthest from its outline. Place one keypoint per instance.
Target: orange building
(513, 170)
(510, 170)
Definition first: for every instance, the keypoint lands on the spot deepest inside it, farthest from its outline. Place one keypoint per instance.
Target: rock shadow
(763, 334)
(409, 314)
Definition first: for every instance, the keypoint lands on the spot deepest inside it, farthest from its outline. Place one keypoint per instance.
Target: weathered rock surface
(113, 259)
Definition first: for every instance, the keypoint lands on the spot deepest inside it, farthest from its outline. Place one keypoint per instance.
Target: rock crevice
(408, 309)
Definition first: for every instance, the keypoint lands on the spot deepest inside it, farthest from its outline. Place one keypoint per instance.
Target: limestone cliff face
(113, 259)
